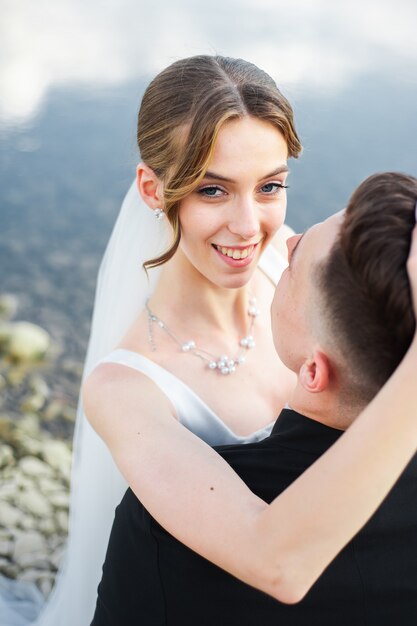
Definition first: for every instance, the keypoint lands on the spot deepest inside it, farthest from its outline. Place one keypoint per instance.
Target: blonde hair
(182, 112)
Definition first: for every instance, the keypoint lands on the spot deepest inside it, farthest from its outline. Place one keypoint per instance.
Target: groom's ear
(149, 186)
(314, 373)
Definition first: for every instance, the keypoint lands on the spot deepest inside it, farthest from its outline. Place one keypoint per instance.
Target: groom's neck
(326, 407)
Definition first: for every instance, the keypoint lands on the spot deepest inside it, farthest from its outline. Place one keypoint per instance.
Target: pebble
(53, 410)
(27, 341)
(8, 305)
(34, 467)
(6, 546)
(32, 403)
(34, 502)
(7, 490)
(62, 519)
(57, 557)
(9, 515)
(45, 583)
(29, 445)
(59, 499)
(28, 544)
(39, 386)
(6, 455)
(58, 456)
(47, 526)
(27, 522)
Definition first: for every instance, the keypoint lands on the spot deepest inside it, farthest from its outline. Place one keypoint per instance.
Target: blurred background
(72, 73)
(71, 77)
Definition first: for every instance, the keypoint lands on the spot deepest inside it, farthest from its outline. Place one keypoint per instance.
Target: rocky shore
(36, 423)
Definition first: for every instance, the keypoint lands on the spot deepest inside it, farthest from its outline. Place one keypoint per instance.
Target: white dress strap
(190, 409)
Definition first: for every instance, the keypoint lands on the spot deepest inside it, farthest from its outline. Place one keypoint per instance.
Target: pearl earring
(159, 214)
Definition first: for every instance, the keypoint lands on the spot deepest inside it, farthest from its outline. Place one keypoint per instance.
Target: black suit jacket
(149, 578)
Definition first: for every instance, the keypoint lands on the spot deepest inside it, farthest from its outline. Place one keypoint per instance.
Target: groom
(344, 300)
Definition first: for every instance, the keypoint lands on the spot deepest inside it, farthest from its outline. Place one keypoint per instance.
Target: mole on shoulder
(211, 488)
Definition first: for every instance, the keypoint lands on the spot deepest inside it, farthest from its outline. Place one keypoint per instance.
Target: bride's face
(230, 218)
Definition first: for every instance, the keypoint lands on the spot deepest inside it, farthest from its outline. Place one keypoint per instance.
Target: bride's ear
(149, 186)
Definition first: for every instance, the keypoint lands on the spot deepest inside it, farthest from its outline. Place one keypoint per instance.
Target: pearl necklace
(223, 364)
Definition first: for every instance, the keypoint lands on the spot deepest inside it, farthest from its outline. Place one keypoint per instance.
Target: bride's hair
(182, 111)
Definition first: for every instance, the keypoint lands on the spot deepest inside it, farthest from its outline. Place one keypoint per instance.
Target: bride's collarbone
(245, 400)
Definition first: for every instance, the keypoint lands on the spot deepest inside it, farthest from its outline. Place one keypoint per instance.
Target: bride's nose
(245, 220)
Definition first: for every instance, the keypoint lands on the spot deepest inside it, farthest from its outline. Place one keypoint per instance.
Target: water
(68, 151)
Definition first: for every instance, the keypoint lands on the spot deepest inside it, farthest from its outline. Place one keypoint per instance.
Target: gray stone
(9, 515)
(27, 342)
(16, 376)
(23, 482)
(47, 526)
(28, 548)
(34, 502)
(57, 556)
(29, 445)
(29, 425)
(8, 568)
(6, 455)
(8, 306)
(57, 541)
(58, 455)
(62, 520)
(27, 522)
(45, 583)
(50, 485)
(59, 499)
(6, 547)
(5, 334)
(69, 414)
(32, 403)
(39, 386)
(7, 489)
(53, 410)
(32, 466)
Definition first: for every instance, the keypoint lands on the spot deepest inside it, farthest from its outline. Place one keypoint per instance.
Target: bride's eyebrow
(214, 176)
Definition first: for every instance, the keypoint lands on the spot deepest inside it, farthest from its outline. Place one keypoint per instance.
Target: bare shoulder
(113, 391)
(280, 239)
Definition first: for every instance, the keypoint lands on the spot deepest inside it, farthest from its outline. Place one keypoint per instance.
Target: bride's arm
(281, 548)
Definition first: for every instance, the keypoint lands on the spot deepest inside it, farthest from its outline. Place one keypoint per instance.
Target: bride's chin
(236, 280)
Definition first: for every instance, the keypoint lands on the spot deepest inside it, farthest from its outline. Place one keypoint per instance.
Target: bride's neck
(183, 296)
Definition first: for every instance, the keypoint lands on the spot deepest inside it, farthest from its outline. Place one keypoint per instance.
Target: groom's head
(342, 313)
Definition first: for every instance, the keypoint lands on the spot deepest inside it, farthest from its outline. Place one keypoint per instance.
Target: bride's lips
(236, 256)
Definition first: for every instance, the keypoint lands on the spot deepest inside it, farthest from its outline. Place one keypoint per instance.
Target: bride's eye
(271, 188)
(211, 191)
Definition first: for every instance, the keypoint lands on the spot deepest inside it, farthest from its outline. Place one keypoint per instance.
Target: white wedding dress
(96, 484)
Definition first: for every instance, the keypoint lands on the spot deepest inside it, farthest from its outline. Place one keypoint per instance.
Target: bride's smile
(235, 211)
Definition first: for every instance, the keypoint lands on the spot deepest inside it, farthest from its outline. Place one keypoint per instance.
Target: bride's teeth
(235, 253)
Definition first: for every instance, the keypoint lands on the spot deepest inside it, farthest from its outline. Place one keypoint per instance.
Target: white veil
(96, 484)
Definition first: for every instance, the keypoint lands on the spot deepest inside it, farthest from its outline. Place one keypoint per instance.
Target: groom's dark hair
(364, 285)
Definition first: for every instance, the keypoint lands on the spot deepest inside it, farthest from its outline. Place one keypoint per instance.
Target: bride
(197, 357)
(184, 110)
